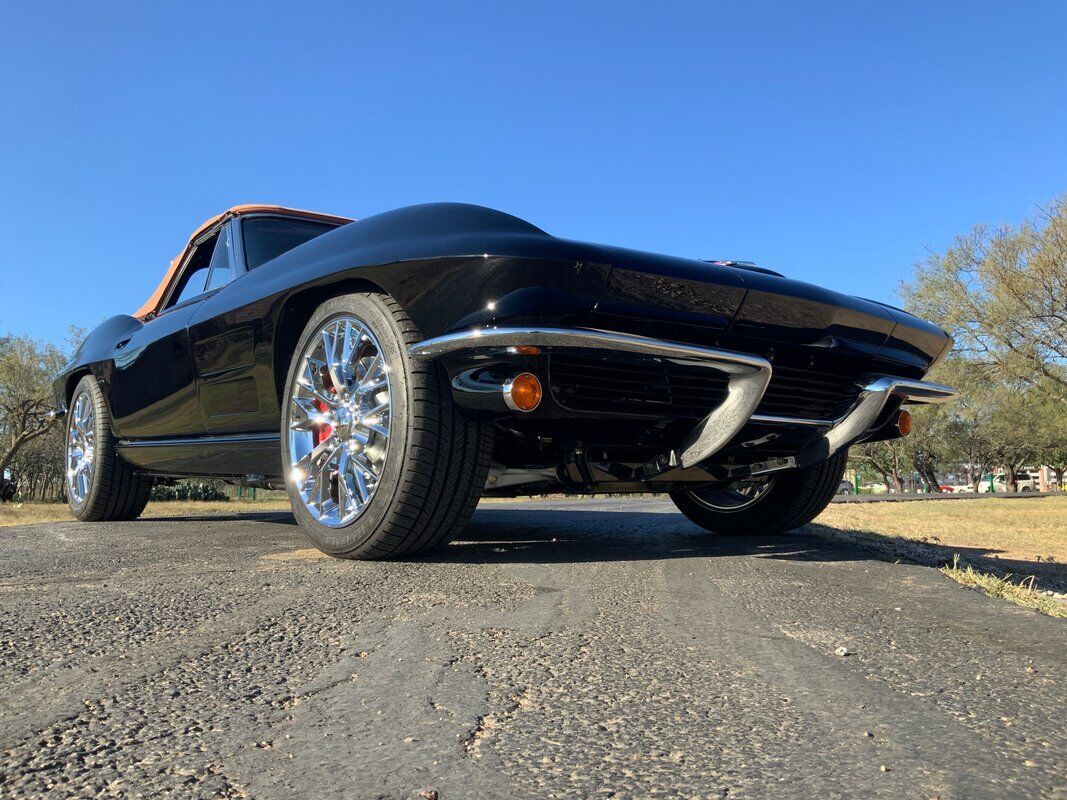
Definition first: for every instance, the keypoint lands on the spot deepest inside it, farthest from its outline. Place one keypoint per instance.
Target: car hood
(747, 303)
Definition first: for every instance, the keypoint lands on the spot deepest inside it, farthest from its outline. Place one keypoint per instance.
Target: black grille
(649, 387)
(592, 383)
(798, 392)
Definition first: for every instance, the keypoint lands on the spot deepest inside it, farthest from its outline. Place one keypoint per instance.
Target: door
(153, 391)
(231, 333)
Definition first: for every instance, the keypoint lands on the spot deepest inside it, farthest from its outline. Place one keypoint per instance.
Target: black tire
(794, 498)
(437, 460)
(116, 492)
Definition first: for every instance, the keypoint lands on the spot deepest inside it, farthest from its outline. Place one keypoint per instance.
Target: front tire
(101, 487)
(785, 501)
(380, 463)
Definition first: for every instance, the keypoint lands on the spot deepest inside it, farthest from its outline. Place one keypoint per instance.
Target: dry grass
(1026, 530)
(1013, 549)
(31, 513)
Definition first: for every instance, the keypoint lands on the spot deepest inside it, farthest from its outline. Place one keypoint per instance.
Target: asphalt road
(561, 649)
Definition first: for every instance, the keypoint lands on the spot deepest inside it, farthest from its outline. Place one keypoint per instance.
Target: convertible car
(389, 372)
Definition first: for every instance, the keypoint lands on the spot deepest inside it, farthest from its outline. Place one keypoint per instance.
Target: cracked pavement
(560, 648)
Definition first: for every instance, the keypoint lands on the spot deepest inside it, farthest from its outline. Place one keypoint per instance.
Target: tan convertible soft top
(151, 305)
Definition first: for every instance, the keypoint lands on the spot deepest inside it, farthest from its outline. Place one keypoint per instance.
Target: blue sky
(835, 142)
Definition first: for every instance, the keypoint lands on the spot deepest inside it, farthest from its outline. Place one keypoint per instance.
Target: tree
(968, 442)
(888, 459)
(965, 427)
(39, 469)
(26, 372)
(1014, 436)
(928, 446)
(1002, 294)
(1050, 420)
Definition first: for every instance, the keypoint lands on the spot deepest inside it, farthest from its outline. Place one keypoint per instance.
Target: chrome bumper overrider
(872, 400)
(748, 379)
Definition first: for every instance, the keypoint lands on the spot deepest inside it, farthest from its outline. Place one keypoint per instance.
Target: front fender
(93, 353)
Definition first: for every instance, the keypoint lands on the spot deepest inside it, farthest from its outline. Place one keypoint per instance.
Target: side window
(221, 262)
(194, 276)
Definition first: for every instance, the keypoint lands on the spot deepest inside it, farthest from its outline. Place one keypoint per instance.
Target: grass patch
(1022, 593)
(34, 513)
(1021, 530)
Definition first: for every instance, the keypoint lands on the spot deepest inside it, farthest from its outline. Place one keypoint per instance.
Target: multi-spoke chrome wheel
(379, 461)
(735, 497)
(339, 421)
(81, 449)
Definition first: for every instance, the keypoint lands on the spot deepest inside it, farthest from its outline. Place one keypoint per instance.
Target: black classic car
(389, 372)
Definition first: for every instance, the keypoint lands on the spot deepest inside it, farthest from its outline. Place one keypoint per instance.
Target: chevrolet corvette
(389, 372)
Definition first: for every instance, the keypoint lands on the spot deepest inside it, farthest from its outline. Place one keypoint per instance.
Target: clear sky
(835, 142)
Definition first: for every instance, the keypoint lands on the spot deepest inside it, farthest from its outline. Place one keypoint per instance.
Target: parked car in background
(845, 487)
(956, 488)
(388, 372)
(1024, 482)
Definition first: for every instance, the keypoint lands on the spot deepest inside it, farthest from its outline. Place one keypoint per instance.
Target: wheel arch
(293, 316)
(72, 383)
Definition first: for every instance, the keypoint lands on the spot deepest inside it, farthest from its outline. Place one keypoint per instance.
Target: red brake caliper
(324, 431)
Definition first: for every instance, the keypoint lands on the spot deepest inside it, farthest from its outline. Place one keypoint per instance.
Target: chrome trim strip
(771, 419)
(872, 400)
(748, 374)
(247, 438)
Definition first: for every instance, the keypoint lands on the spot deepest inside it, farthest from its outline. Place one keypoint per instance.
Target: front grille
(661, 388)
(798, 392)
(631, 386)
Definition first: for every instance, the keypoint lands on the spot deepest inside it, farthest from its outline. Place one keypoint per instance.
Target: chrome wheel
(735, 497)
(339, 421)
(81, 449)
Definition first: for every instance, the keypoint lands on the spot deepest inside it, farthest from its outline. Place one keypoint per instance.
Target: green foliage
(190, 490)
(1002, 294)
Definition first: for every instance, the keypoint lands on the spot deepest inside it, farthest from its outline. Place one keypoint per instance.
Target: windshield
(266, 238)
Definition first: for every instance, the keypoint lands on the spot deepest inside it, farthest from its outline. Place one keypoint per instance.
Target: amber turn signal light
(904, 423)
(525, 350)
(523, 392)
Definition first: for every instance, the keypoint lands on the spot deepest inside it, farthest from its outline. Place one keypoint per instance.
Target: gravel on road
(570, 648)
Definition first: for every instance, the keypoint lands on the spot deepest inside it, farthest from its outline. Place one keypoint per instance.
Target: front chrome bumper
(747, 381)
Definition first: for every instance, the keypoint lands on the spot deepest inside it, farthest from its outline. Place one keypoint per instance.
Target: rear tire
(423, 480)
(794, 498)
(101, 487)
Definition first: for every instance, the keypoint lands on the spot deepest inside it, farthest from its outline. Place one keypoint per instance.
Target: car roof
(151, 305)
